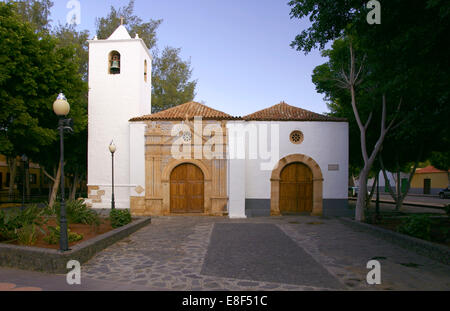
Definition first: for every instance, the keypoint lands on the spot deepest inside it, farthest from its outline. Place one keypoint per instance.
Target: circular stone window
(187, 136)
(296, 137)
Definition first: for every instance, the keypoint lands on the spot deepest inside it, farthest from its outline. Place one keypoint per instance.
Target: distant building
(37, 180)
(392, 177)
(39, 184)
(429, 180)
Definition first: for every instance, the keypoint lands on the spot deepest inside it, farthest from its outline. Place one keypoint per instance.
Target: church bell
(115, 64)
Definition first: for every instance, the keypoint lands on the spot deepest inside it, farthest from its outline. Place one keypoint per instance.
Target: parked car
(444, 193)
(353, 191)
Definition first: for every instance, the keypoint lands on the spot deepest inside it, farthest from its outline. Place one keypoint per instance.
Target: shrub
(77, 212)
(13, 220)
(54, 234)
(27, 235)
(418, 226)
(447, 209)
(119, 218)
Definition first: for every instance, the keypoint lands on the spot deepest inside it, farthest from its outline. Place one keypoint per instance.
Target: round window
(296, 137)
(187, 136)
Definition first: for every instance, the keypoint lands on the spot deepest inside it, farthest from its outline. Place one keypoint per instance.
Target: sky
(239, 49)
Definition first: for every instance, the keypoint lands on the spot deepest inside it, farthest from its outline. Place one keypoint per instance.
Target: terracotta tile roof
(429, 169)
(285, 112)
(189, 110)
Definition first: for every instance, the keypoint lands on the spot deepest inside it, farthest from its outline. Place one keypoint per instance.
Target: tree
(402, 57)
(441, 160)
(33, 70)
(68, 36)
(36, 13)
(171, 75)
(133, 23)
(170, 81)
(332, 78)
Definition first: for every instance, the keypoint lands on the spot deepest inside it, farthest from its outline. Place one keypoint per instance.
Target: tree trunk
(377, 204)
(362, 193)
(372, 191)
(12, 163)
(399, 189)
(73, 191)
(400, 196)
(55, 187)
(27, 180)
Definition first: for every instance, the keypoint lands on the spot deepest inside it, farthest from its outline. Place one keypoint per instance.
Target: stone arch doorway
(296, 189)
(317, 182)
(187, 187)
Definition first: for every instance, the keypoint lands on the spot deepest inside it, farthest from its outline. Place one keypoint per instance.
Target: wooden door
(186, 189)
(296, 189)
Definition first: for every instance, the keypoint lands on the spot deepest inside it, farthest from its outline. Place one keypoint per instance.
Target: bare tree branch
(47, 174)
(368, 121)
(395, 115)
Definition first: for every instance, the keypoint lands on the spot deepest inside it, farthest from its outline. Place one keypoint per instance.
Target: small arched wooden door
(186, 189)
(296, 189)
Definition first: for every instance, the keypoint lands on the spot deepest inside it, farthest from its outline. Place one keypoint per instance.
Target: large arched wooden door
(186, 189)
(296, 189)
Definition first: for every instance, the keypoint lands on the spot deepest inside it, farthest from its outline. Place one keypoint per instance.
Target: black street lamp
(112, 149)
(61, 108)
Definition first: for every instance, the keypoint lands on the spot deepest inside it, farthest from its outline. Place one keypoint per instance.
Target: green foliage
(406, 58)
(170, 80)
(418, 226)
(13, 220)
(68, 36)
(53, 235)
(441, 160)
(447, 209)
(77, 212)
(33, 70)
(27, 235)
(133, 23)
(119, 218)
(35, 12)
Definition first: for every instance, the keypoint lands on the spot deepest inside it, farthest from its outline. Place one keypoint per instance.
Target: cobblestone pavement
(169, 254)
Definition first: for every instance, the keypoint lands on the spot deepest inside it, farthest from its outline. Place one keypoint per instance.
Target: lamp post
(61, 108)
(112, 149)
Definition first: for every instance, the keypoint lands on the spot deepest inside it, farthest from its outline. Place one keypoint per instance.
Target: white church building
(194, 160)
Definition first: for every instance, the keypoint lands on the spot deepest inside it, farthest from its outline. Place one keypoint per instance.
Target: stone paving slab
(262, 252)
(169, 254)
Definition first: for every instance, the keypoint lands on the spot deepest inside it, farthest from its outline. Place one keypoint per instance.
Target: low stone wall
(434, 251)
(54, 261)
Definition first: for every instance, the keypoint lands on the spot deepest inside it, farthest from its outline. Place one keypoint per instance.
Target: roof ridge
(278, 112)
(285, 112)
(189, 110)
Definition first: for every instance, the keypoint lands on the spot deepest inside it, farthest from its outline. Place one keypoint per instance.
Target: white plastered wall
(325, 142)
(113, 101)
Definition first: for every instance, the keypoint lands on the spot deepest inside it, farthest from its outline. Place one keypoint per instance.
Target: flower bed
(39, 227)
(53, 261)
(85, 230)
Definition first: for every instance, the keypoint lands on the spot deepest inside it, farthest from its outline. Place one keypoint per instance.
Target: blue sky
(239, 49)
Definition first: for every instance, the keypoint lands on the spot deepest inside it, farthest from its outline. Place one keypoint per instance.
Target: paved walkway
(267, 253)
(417, 200)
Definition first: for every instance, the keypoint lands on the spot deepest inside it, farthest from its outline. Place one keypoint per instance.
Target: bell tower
(119, 89)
